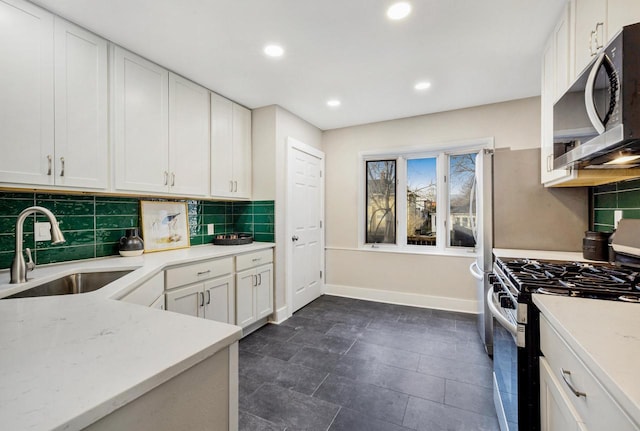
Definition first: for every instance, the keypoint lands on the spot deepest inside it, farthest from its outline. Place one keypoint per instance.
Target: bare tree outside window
(422, 189)
(381, 201)
(462, 209)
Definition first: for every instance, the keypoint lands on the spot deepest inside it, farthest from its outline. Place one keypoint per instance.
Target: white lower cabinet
(254, 281)
(150, 293)
(556, 411)
(205, 289)
(211, 300)
(571, 397)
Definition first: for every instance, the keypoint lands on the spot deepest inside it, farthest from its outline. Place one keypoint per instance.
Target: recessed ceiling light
(333, 103)
(274, 50)
(399, 10)
(422, 85)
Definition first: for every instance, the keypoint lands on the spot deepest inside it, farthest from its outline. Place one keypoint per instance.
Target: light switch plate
(42, 231)
(617, 216)
(210, 229)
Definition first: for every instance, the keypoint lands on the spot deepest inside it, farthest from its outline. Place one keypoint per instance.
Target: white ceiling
(473, 52)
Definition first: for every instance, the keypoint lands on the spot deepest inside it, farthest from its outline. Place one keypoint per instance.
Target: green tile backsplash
(624, 195)
(93, 225)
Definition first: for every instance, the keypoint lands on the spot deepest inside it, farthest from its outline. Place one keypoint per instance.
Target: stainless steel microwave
(596, 123)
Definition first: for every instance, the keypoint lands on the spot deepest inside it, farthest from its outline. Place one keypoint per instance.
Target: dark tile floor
(346, 364)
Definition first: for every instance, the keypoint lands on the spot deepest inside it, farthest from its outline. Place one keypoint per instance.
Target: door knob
(294, 238)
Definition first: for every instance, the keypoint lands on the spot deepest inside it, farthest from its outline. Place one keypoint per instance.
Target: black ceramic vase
(131, 244)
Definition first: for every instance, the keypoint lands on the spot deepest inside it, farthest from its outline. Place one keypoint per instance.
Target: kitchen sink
(80, 282)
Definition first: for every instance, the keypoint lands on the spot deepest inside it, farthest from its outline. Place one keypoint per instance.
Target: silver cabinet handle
(208, 297)
(49, 161)
(173, 179)
(260, 279)
(599, 44)
(591, 51)
(549, 160)
(201, 299)
(231, 186)
(166, 178)
(255, 280)
(62, 164)
(203, 272)
(235, 186)
(577, 393)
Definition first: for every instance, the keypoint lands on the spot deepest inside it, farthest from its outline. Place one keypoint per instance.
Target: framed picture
(165, 225)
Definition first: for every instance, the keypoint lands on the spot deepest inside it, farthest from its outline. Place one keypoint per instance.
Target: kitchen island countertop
(606, 337)
(68, 361)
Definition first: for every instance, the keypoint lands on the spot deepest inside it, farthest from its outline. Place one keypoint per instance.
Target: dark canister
(595, 245)
(131, 244)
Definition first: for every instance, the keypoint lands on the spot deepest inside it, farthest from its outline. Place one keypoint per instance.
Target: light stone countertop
(67, 361)
(606, 336)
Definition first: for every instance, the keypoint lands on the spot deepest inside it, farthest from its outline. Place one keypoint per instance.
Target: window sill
(409, 250)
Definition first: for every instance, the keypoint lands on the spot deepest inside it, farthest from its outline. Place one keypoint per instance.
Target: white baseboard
(280, 315)
(404, 298)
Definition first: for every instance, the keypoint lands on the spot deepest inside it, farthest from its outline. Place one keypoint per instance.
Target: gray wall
(530, 216)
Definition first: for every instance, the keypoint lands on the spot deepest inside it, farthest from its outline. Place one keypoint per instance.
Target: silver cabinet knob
(294, 238)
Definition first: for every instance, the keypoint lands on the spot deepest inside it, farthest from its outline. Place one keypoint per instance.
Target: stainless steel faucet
(19, 268)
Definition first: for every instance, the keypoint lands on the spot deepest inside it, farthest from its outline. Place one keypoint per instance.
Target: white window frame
(401, 155)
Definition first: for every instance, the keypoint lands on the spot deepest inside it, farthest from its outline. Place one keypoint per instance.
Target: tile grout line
(334, 417)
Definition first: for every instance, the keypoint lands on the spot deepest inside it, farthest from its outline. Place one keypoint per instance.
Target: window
(422, 194)
(381, 201)
(436, 206)
(462, 187)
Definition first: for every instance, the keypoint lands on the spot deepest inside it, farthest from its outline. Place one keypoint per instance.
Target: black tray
(241, 238)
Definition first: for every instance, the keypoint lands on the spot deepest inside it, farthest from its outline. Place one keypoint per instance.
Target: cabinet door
(556, 411)
(140, 123)
(158, 304)
(245, 297)
(241, 151)
(590, 30)
(26, 110)
(621, 13)
(188, 137)
(186, 300)
(221, 146)
(220, 300)
(81, 146)
(264, 292)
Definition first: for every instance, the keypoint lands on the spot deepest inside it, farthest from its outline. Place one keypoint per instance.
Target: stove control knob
(506, 302)
(497, 287)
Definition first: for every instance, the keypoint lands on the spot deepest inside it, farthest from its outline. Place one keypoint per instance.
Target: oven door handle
(474, 269)
(508, 325)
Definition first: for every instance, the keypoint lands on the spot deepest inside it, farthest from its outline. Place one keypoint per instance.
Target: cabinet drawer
(251, 260)
(148, 292)
(188, 274)
(597, 409)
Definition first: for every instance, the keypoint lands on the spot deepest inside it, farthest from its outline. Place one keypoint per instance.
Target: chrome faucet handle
(30, 264)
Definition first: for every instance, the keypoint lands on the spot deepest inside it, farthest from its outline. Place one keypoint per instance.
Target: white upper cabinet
(141, 138)
(81, 114)
(621, 13)
(49, 140)
(590, 30)
(230, 149)
(26, 110)
(596, 22)
(188, 137)
(242, 151)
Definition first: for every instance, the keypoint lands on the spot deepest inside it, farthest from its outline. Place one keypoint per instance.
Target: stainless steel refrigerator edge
(518, 212)
(481, 268)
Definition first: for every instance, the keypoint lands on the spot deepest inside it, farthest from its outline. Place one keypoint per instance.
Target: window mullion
(401, 207)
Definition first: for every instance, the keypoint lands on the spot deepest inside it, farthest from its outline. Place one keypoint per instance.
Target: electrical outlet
(210, 229)
(42, 231)
(617, 216)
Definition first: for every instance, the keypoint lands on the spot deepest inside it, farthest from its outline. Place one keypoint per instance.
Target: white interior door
(305, 219)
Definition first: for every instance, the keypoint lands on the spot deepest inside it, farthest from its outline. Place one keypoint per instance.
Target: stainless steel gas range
(516, 348)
